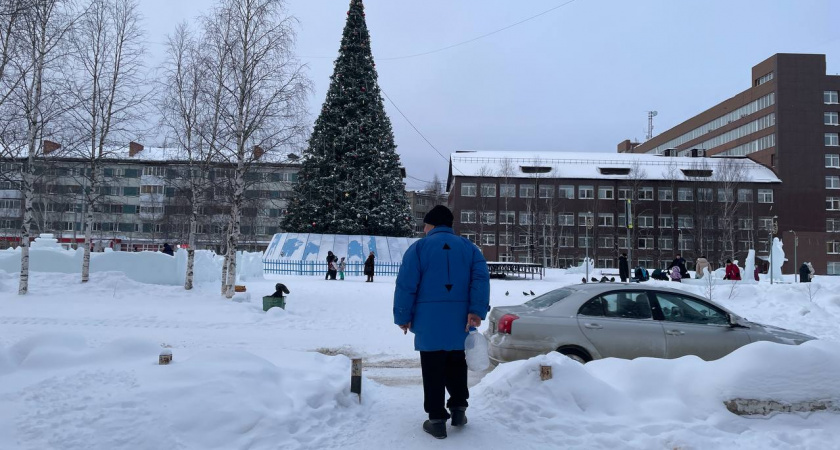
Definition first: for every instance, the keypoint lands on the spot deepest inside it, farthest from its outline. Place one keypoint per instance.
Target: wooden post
(545, 373)
(356, 377)
(165, 357)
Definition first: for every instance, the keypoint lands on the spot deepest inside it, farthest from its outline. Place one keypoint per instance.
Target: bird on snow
(507, 293)
(532, 293)
(524, 293)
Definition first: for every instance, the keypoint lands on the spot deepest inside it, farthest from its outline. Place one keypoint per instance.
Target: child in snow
(280, 289)
(341, 266)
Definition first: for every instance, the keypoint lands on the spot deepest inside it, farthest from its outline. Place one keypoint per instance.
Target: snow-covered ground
(78, 370)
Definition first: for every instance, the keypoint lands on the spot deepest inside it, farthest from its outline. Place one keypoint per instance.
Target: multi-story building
(143, 201)
(421, 202)
(556, 208)
(787, 120)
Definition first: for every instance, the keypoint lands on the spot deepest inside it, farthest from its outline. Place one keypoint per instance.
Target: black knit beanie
(439, 215)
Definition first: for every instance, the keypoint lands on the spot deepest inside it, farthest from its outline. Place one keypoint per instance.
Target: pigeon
(532, 293)
(524, 293)
(594, 279)
(583, 280)
(507, 293)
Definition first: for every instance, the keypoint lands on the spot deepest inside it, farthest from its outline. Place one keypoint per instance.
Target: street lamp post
(795, 262)
(589, 225)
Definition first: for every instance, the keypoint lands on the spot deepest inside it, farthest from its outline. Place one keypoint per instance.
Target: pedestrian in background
(341, 266)
(442, 289)
(369, 265)
(623, 268)
(700, 266)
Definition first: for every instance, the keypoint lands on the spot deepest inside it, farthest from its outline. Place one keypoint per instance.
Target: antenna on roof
(651, 115)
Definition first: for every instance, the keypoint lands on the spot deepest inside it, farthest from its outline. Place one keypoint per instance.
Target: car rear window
(549, 298)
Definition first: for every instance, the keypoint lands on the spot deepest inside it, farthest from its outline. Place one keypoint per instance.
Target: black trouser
(444, 371)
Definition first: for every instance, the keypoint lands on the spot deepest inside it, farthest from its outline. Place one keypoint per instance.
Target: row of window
(606, 242)
(585, 192)
(609, 220)
(830, 97)
(757, 145)
(831, 118)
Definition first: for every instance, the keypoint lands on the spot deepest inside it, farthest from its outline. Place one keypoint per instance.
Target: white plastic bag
(475, 348)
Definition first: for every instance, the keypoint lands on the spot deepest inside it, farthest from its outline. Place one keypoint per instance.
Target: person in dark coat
(443, 289)
(279, 290)
(804, 273)
(167, 249)
(330, 260)
(679, 262)
(623, 268)
(369, 267)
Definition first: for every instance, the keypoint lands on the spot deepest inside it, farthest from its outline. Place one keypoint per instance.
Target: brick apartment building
(534, 207)
(143, 202)
(787, 119)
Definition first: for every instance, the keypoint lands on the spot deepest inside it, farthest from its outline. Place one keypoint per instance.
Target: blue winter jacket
(443, 277)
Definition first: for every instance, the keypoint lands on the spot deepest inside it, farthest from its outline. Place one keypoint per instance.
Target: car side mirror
(735, 322)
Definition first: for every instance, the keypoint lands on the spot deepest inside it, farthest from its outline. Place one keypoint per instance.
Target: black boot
(436, 428)
(459, 416)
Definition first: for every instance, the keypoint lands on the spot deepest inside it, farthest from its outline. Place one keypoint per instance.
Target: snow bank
(145, 267)
(115, 396)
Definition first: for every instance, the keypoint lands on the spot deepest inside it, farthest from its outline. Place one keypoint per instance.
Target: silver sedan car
(603, 320)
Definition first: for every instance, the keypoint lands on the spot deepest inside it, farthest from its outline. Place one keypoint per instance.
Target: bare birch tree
(264, 91)
(109, 91)
(35, 96)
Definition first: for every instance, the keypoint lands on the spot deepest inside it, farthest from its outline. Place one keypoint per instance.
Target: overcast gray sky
(579, 78)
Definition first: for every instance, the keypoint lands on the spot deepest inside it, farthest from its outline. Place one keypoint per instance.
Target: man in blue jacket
(443, 288)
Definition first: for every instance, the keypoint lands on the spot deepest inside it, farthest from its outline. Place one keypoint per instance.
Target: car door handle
(593, 326)
(675, 332)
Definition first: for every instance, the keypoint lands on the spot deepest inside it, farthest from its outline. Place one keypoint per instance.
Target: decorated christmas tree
(350, 180)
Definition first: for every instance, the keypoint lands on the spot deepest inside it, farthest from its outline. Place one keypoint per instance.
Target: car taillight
(505, 323)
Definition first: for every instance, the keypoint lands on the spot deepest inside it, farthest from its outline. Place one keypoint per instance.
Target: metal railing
(283, 267)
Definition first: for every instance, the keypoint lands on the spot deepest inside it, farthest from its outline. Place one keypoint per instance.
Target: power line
(394, 58)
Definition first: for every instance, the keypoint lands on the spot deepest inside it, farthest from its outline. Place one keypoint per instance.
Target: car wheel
(576, 355)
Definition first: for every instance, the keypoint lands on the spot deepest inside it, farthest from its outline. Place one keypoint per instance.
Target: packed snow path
(78, 370)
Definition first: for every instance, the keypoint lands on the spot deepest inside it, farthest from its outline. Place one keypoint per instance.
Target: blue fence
(283, 267)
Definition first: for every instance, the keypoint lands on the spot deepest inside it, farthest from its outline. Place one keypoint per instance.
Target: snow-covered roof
(592, 165)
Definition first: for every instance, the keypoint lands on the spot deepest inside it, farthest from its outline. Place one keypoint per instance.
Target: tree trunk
(23, 287)
(188, 282)
(89, 224)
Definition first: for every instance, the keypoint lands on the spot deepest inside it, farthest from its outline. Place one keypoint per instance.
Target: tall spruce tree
(350, 180)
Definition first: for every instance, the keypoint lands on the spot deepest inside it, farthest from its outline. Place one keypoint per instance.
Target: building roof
(597, 165)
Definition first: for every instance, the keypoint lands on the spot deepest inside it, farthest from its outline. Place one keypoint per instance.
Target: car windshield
(549, 298)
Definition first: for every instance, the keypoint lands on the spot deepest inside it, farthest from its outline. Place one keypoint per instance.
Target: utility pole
(628, 211)
(588, 227)
(795, 262)
(773, 230)
(651, 115)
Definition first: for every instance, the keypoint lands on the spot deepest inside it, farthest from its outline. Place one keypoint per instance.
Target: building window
(832, 182)
(507, 190)
(546, 219)
(505, 239)
(566, 192)
(646, 193)
(830, 97)
(645, 243)
(605, 192)
(524, 239)
(467, 216)
(151, 210)
(745, 223)
(586, 192)
(526, 191)
(666, 243)
(151, 189)
(685, 195)
(764, 79)
(666, 221)
(154, 171)
(488, 217)
(584, 241)
(623, 242)
(546, 191)
(832, 203)
(566, 241)
(725, 195)
(832, 139)
(606, 263)
(705, 195)
(505, 257)
(831, 118)
(468, 189)
(833, 268)
(488, 239)
(686, 243)
(606, 220)
(685, 222)
(644, 221)
(605, 242)
(507, 217)
(832, 161)
(582, 218)
(526, 218)
(470, 236)
(488, 189)
(765, 223)
(625, 193)
(745, 195)
(622, 221)
(765, 196)
(832, 247)
(666, 195)
(832, 225)
(566, 219)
